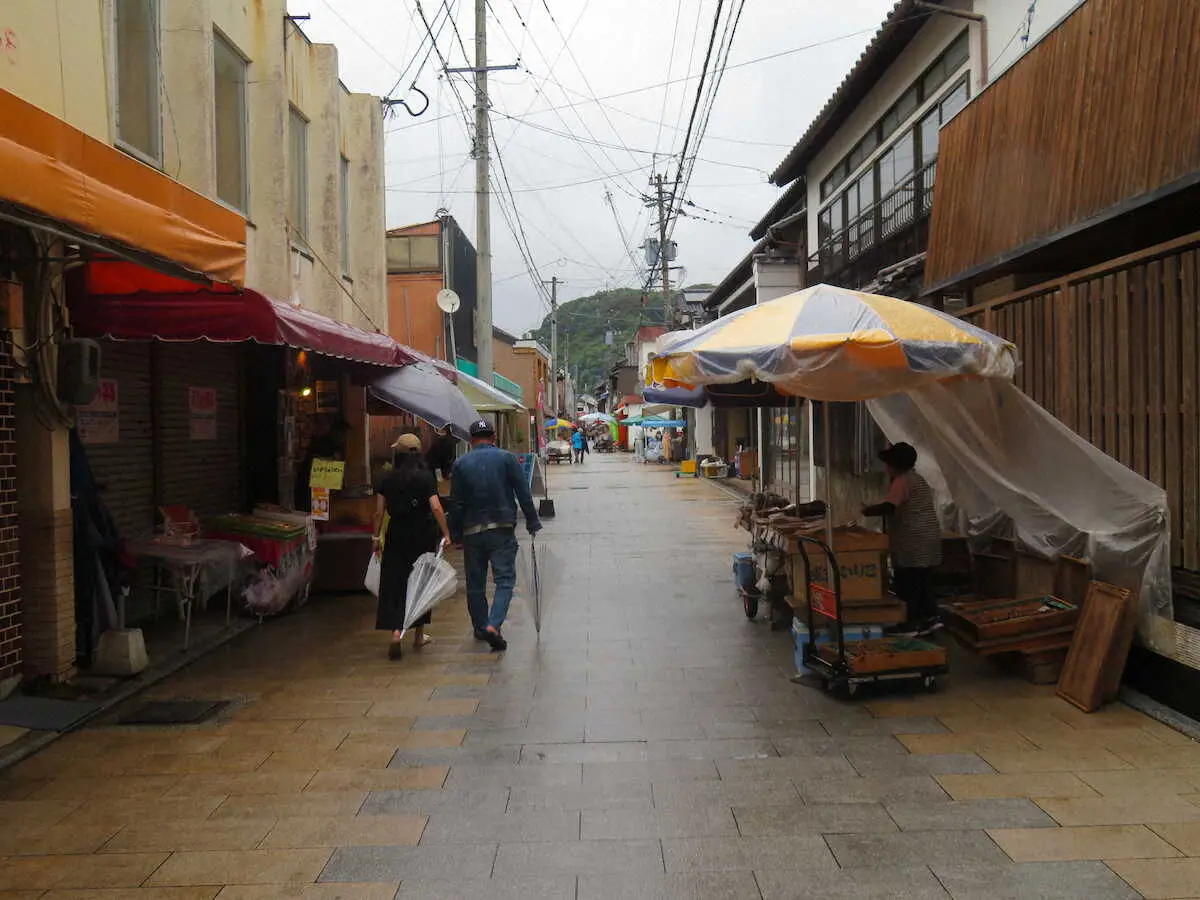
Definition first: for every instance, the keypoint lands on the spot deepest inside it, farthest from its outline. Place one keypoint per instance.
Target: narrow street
(649, 744)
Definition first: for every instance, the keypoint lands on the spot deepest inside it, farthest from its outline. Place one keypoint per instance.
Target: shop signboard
(327, 474)
(99, 422)
(202, 413)
(320, 504)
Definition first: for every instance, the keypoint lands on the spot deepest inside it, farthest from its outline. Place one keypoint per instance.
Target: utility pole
(668, 309)
(554, 343)
(483, 224)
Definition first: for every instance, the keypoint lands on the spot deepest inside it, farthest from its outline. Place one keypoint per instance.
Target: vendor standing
(914, 537)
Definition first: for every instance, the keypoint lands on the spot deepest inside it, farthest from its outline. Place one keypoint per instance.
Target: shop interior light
(305, 392)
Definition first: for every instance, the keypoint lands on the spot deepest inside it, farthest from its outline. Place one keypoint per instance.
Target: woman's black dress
(412, 531)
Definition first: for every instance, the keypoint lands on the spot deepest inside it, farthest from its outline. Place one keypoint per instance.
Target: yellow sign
(328, 474)
(320, 504)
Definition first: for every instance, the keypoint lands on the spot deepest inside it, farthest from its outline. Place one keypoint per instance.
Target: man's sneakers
(481, 635)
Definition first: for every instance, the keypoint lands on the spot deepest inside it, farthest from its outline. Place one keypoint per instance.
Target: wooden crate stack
(1024, 611)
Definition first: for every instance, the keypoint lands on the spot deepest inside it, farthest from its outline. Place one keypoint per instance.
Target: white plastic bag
(371, 579)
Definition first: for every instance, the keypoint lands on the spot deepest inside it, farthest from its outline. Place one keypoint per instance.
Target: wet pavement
(647, 744)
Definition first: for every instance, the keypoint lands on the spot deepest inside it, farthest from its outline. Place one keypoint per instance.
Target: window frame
(297, 174)
(220, 39)
(155, 159)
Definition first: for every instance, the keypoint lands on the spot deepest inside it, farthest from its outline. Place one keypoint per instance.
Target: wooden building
(1067, 219)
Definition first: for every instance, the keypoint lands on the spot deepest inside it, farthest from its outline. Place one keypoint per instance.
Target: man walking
(485, 488)
(579, 444)
(914, 536)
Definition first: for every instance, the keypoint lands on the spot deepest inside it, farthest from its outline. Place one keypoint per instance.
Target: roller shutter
(200, 455)
(124, 470)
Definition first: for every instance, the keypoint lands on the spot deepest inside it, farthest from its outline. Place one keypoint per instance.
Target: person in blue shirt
(579, 444)
(486, 487)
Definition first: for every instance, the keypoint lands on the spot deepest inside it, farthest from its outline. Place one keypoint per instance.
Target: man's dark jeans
(497, 548)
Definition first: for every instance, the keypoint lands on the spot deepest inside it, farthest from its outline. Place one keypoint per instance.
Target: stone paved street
(649, 745)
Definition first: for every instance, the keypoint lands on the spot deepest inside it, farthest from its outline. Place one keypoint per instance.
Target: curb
(1161, 713)
(27, 746)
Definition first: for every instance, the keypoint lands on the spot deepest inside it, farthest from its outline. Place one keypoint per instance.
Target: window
(955, 100)
(928, 130)
(345, 201)
(138, 119)
(229, 77)
(298, 172)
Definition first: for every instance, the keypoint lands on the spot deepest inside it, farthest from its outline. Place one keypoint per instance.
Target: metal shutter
(204, 475)
(125, 470)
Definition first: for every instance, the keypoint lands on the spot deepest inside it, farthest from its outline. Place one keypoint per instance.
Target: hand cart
(889, 659)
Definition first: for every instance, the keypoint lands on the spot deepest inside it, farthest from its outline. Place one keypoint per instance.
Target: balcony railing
(897, 211)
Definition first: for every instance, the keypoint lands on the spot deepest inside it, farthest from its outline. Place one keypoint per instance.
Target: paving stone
(888, 763)
(1078, 760)
(378, 891)
(791, 768)
(464, 755)
(1045, 881)
(359, 864)
(685, 794)
(855, 726)
(546, 775)
(480, 800)
(241, 867)
(913, 848)
(969, 815)
(528, 825)
(827, 818)
(615, 824)
(870, 789)
(856, 884)
(1121, 810)
(1033, 785)
(359, 831)
(618, 795)
(1106, 842)
(672, 886)
(515, 888)
(144, 837)
(627, 857)
(681, 770)
(802, 852)
(1184, 835)
(630, 751)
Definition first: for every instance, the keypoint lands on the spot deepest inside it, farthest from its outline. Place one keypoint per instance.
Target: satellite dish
(448, 301)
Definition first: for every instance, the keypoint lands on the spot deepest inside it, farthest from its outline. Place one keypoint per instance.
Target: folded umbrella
(432, 580)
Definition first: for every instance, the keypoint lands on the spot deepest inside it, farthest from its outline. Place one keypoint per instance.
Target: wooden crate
(886, 655)
(1008, 618)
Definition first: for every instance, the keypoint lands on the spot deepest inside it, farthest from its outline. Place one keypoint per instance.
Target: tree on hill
(584, 323)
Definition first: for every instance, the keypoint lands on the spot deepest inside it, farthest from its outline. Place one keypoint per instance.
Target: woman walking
(415, 516)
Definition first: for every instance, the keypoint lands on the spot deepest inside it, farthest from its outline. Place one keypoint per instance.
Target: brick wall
(48, 592)
(10, 576)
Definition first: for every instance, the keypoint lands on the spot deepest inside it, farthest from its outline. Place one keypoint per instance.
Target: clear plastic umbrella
(539, 575)
(432, 580)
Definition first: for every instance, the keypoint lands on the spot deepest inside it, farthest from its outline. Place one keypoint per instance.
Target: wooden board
(994, 575)
(1071, 579)
(887, 654)
(1034, 576)
(1095, 648)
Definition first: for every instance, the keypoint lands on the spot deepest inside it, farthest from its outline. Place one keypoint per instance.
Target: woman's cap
(407, 442)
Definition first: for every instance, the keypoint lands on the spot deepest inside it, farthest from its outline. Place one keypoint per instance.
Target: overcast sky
(563, 152)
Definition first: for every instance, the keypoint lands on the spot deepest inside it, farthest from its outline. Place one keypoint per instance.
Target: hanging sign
(202, 413)
(327, 474)
(320, 504)
(99, 422)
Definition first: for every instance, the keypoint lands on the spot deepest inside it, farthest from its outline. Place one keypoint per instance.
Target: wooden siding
(1114, 353)
(1104, 109)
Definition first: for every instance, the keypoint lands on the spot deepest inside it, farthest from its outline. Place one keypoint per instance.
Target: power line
(662, 115)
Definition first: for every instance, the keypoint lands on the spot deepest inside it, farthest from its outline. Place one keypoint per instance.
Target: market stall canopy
(830, 343)
(56, 178)
(421, 390)
(742, 395)
(597, 417)
(126, 302)
(483, 396)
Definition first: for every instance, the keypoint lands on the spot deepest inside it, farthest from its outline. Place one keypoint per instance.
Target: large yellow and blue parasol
(831, 343)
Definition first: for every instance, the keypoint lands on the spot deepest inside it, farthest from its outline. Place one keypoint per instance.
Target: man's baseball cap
(407, 442)
(901, 456)
(481, 428)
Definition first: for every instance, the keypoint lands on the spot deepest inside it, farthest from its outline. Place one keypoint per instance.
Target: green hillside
(583, 323)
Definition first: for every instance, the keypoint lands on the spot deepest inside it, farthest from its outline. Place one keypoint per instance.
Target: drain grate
(173, 712)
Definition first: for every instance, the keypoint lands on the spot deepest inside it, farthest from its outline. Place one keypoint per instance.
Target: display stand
(845, 665)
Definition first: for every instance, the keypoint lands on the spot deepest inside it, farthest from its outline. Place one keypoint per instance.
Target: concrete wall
(57, 54)
(36, 36)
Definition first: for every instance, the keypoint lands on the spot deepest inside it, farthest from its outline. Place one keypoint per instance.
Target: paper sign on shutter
(202, 413)
(99, 422)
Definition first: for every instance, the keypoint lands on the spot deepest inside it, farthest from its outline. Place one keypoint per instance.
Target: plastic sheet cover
(1002, 466)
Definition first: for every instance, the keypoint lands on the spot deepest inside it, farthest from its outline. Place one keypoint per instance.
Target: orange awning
(54, 176)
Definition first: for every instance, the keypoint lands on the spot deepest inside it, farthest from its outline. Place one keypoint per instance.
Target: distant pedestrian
(579, 443)
(415, 517)
(487, 486)
(440, 458)
(914, 537)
